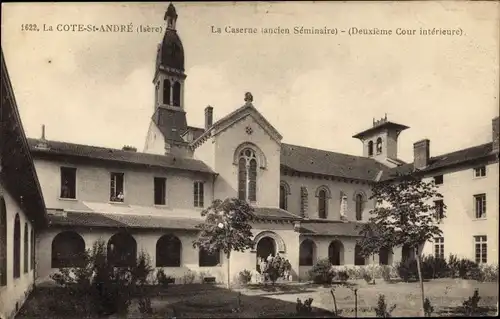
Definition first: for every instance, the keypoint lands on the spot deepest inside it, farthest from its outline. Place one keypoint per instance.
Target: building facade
(307, 202)
(22, 209)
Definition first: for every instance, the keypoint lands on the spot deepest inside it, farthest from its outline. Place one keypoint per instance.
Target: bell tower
(169, 115)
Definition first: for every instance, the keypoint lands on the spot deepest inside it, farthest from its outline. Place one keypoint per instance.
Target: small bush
(162, 279)
(471, 305)
(145, 306)
(428, 308)
(367, 276)
(489, 273)
(244, 277)
(188, 277)
(434, 267)
(304, 308)
(463, 268)
(342, 275)
(322, 272)
(381, 310)
(407, 270)
(142, 269)
(386, 273)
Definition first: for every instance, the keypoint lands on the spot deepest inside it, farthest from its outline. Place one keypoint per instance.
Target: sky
(316, 90)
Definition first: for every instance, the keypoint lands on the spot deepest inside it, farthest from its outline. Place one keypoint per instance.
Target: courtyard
(261, 301)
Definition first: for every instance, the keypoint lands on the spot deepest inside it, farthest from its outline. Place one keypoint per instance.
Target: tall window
(26, 248)
(166, 92)
(379, 145)
(160, 184)
(480, 171)
(198, 194)
(359, 207)
(247, 175)
(32, 251)
(176, 97)
(439, 247)
(208, 259)
(283, 197)
(68, 182)
(370, 148)
(438, 180)
(116, 187)
(322, 204)
(481, 249)
(480, 205)
(439, 212)
(3, 243)
(168, 251)
(17, 247)
(359, 260)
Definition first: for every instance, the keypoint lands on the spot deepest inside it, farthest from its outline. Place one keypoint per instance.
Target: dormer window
(379, 145)
(370, 148)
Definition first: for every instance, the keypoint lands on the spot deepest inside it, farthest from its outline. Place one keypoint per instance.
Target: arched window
(68, 249)
(168, 251)
(166, 92)
(370, 148)
(359, 260)
(3, 243)
(359, 206)
(322, 204)
(247, 175)
(32, 251)
(122, 250)
(379, 145)
(284, 192)
(323, 194)
(17, 247)
(306, 253)
(176, 97)
(26, 248)
(336, 253)
(207, 258)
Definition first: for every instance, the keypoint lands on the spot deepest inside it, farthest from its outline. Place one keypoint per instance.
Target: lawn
(210, 301)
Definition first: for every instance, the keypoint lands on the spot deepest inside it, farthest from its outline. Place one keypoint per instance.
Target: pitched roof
(274, 213)
(382, 125)
(330, 228)
(311, 160)
(88, 219)
(171, 124)
(117, 155)
(445, 160)
(234, 116)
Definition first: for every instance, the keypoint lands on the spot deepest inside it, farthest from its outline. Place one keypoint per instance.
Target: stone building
(307, 202)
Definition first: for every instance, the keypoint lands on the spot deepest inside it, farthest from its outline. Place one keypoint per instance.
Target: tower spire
(170, 16)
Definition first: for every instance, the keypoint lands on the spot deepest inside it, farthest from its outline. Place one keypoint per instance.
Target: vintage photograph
(249, 159)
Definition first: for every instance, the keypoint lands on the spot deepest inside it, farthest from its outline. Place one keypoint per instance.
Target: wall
(460, 225)
(155, 142)
(93, 185)
(335, 187)
(268, 178)
(13, 295)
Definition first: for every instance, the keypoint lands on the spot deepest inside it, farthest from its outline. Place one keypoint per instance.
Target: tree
(226, 228)
(405, 214)
(373, 239)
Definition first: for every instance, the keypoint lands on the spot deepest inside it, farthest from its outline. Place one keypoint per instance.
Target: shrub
(342, 275)
(428, 308)
(366, 275)
(162, 279)
(434, 267)
(142, 269)
(489, 273)
(381, 310)
(407, 270)
(277, 267)
(304, 308)
(386, 273)
(321, 272)
(462, 267)
(145, 306)
(471, 306)
(244, 277)
(188, 277)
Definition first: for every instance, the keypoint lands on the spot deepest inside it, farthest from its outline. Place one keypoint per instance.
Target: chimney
(495, 133)
(43, 131)
(421, 152)
(208, 117)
